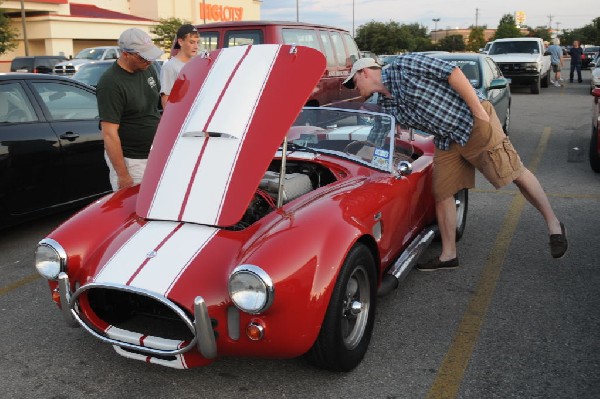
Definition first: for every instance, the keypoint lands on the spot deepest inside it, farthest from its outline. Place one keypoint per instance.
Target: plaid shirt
(423, 99)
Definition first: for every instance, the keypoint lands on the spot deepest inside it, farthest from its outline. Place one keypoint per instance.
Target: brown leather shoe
(559, 243)
(436, 264)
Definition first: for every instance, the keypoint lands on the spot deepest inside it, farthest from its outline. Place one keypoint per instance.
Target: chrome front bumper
(201, 327)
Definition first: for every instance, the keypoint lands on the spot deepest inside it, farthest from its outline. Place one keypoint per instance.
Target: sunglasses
(140, 58)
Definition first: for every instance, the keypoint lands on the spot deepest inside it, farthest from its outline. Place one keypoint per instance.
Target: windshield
(523, 47)
(91, 73)
(469, 67)
(362, 136)
(91, 54)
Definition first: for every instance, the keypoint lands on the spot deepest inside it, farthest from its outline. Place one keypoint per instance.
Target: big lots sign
(216, 12)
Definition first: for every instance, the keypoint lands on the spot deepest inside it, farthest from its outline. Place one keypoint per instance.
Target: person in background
(187, 43)
(128, 97)
(434, 96)
(576, 53)
(556, 60)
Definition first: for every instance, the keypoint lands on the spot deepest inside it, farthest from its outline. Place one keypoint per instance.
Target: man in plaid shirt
(434, 96)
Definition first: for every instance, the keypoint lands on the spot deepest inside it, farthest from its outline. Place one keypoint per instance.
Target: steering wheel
(355, 146)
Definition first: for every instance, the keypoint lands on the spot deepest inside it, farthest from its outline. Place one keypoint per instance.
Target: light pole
(23, 18)
(435, 20)
(352, 18)
(297, 11)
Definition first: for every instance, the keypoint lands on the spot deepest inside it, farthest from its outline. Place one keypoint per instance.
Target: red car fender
(303, 281)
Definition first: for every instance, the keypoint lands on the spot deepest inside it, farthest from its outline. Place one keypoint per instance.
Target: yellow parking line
(454, 364)
(19, 283)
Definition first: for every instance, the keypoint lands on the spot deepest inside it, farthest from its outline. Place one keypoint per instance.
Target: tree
(541, 32)
(8, 35)
(589, 34)
(392, 37)
(476, 38)
(452, 43)
(507, 28)
(165, 32)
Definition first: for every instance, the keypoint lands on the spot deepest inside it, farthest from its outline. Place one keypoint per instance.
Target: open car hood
(227, 114)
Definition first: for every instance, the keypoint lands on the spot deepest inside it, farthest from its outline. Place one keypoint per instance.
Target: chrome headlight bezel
(50, 259)
(251, 289)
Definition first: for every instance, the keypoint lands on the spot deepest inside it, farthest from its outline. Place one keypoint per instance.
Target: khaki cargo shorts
(488, 149)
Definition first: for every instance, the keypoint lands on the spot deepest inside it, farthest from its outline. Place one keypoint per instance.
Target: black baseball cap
(184, 30)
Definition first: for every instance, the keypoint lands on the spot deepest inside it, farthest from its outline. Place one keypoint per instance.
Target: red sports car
(257, 230)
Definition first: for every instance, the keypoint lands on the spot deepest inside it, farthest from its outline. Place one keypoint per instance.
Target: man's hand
(125, 181)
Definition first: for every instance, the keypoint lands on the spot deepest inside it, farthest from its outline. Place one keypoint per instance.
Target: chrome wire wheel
(356, 307)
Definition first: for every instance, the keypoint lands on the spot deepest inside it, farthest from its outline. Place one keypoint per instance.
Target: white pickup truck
(523, 60)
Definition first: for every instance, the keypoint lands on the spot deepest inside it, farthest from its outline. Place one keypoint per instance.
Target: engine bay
(300, 178)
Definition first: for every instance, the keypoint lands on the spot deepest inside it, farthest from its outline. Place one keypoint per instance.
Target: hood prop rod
(282, 172)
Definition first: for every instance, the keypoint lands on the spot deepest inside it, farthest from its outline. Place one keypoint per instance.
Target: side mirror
(404, 168)
(499, 83)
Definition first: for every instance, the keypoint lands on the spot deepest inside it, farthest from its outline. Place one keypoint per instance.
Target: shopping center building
(54, 27)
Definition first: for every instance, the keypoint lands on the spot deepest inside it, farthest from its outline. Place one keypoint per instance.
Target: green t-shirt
(131, 101)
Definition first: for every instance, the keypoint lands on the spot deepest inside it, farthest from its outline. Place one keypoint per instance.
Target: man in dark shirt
(128, 97)
(433, 95)
(576, 53)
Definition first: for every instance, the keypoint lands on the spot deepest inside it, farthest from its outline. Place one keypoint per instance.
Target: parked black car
(51, 147)
(589, 53)
(36, 63)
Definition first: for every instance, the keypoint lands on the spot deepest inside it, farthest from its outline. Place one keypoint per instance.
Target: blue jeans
(573, 68)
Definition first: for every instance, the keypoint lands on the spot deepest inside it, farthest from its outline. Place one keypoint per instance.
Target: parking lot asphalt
(511, 322)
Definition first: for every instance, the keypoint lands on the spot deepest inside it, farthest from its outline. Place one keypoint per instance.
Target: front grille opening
(138, 313)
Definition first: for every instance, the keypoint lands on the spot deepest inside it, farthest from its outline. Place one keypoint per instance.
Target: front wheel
(506, 126)
(546, 80)
(346, 330)
(535, 86)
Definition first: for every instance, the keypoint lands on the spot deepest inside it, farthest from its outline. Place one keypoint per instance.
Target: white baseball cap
(359, 65)
(135, 40)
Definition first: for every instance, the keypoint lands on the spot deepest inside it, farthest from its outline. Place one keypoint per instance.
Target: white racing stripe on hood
(222, 106)
(154, 258)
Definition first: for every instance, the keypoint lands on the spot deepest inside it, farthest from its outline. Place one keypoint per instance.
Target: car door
(30, 160)
(499, 98)
(72, 113)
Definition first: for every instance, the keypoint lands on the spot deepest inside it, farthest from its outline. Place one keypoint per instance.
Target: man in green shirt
(128, 96)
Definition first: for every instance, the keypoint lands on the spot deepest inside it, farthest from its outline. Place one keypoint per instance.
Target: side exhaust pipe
(406, 261)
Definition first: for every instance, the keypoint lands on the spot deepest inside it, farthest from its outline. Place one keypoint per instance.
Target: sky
(451, 13)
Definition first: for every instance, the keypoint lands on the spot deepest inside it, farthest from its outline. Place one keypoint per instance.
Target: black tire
(594, 157)
(506, 125)
(346, 330)
(462, 207)
(535, 86)
(546, 80)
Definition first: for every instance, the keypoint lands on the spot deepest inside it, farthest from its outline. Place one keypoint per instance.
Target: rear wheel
(462, 206)
(346, 330)
(594, 156)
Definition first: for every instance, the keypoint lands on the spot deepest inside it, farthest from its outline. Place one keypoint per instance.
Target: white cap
(135, 40)
(359, 65)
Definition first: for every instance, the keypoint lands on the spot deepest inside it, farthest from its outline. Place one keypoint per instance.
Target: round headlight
(251, 289)
(50, 259)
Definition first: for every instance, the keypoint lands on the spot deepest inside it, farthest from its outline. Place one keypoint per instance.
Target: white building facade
(65, 27)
